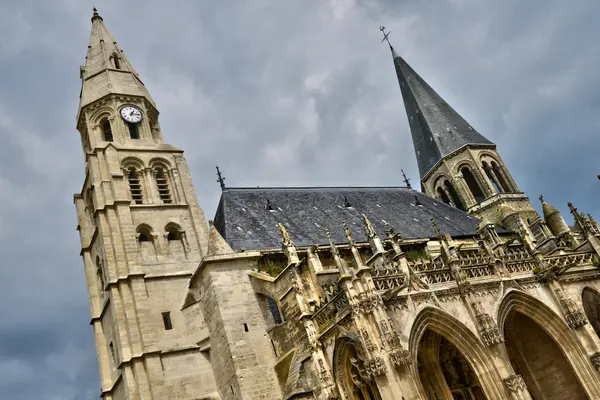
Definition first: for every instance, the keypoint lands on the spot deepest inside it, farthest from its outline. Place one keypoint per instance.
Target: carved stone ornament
(573, 314)
(515, 384)
(375, 366)
(486, 326)
(369, 345)
(595, 358)
(400, 357)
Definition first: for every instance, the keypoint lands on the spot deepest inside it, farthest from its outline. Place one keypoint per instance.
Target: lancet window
(116, 62)
(135, 186)
(162, 183)
(106, 130)
(133, 131)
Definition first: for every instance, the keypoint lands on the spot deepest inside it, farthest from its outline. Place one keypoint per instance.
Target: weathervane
(221, 180)
(385, 35)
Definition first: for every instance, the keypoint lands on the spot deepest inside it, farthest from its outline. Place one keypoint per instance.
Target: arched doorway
(591, 306)
(444, 372)
(539, 360)
(350, 371)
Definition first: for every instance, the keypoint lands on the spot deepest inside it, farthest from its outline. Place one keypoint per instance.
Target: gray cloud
(276, 93)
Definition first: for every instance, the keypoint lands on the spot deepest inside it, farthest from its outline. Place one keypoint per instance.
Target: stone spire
(216, 244)
(107, 70)
(437, 129)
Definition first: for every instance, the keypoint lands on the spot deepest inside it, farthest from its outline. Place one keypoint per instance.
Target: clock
(131, 114)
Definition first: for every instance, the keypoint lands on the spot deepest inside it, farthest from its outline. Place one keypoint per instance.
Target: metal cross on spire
(385, 35)
(221, 179)
(406, 180)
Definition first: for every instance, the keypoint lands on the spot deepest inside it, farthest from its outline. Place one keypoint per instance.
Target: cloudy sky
(277, 93)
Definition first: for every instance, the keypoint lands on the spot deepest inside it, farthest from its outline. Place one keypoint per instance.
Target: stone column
(508, 178)
(484, 184)
(464, 192)
(494, 178)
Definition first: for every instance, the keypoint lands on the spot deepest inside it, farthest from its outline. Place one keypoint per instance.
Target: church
(459, 290)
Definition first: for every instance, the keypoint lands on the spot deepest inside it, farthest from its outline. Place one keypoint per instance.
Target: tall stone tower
(457, 164)
(142, 233)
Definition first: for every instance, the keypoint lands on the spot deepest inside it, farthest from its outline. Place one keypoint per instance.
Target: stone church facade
(458, 291)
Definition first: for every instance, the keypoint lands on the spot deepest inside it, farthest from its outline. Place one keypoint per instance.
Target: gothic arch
(147, 230)
(550, 322)
(459, 335)
(590, 299)
(348, 358)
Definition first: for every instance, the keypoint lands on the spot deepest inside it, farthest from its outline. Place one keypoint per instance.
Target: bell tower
(457, 164)
(142, 232)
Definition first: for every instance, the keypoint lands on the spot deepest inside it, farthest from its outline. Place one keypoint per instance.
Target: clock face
(131, 114)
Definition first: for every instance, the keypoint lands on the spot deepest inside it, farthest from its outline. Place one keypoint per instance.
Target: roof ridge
(314, 187)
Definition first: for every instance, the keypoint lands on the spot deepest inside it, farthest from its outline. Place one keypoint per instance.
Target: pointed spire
(216, 244)
(107, 70)
(285, 236)
(348, 233)
(374, 240)
(437, 129)
(341, 264)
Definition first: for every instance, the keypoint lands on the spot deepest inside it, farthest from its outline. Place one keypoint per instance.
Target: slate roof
(437, 129)
(245, 222)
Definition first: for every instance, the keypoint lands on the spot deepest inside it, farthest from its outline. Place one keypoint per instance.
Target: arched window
(145, 239)
(135, 187)
(443, 196)
(173, 234)
(454, 196)
(133, 131)
(472, 184)
(163, 185)
(106, 130)
(116, 62)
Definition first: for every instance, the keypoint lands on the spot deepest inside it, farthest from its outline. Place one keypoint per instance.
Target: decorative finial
(436, 228)
(541, 198)
(385, 36)
(96, 15)
(406, 180)
(389, 231)
(369, 227)
(221, 179)
(334, 249)
(285, 236)
(348, 233)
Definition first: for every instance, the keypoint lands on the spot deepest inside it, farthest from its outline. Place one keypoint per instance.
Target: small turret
(216, 244)
(554, 219)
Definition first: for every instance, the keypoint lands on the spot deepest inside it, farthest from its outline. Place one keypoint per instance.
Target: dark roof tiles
(245, 222)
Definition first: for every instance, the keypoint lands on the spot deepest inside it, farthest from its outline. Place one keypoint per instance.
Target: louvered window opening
(163, 186)
(135, 187)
